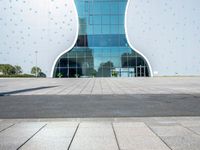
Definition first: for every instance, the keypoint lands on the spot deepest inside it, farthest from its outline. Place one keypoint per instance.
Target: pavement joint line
(63, 89)
(73, 136)
(66, 87)
(114, 91)
(101, 86)
(78, 85)
(84, 87)
(7, 128)
(158, 136)
(90, 87)
(93, 86)
(189, 129)
(110, 86)
(86, 84)
(117, 141)
(31, 137)
(74, 87)
(117, 85)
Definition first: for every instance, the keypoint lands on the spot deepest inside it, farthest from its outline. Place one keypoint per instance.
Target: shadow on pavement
(25, 90)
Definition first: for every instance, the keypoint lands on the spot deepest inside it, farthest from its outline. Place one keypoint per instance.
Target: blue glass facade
(101, 49)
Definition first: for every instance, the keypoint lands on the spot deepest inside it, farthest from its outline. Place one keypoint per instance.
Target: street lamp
(36, 72)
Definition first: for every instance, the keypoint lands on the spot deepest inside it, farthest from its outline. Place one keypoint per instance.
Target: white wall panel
(167, 32)
(46, 26)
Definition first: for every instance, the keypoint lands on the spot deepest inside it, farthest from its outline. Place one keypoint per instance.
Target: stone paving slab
(175, 130)
(178, 137)
(17, 135)
(191, 142)
(4, 126)
(137, 136)
(92, 136)
(166, 133)
(55, 136)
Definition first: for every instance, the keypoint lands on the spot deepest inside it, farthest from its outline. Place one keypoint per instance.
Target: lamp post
(36, 72)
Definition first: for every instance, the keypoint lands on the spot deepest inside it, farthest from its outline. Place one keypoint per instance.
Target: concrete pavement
(84, 106)
(99, 86)
(153, 101)
(175, 133)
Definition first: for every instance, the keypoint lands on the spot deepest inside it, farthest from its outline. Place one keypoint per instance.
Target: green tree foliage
(59, 75)
(18, 69)
(36, 71)
(7, 69)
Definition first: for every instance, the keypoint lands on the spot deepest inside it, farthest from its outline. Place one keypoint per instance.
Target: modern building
(102, 38)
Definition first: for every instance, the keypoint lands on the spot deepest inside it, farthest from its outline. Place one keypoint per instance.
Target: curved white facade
(165, 32)
(128, 9)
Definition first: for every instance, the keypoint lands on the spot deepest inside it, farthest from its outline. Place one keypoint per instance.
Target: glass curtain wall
(101, 49)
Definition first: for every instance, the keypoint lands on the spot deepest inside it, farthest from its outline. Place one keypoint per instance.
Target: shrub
(18, 76)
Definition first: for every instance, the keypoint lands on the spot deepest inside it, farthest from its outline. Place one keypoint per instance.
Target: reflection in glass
(101, 49)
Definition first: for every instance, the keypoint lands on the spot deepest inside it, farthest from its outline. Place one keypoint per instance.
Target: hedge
(18, 76)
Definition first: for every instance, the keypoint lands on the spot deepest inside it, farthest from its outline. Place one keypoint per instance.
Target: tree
(18, 69)
(7, 69)
(36, 71)
(105, 69)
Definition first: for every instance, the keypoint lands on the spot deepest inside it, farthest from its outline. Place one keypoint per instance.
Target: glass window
(87, 8)
(106, 52)
(105, 9)
(140, 61)
(121, 19)
(97, 8)
(132, 61)
(97, 29)
(114, 8)
(82, 21)
(97, 20)
(121, 29)
(122, 7)
(105, 29)
(114, 20)
(90, 8)
(83, 29)
(115, 52)
(81, 8)
(106, 19)
(116, 61)
(114, 29)
(91, 20)
(90, 29)
(101, 47)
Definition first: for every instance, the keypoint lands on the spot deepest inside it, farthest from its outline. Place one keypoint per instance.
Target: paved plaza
(99, 97)
(96, 86)
(100, 114)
